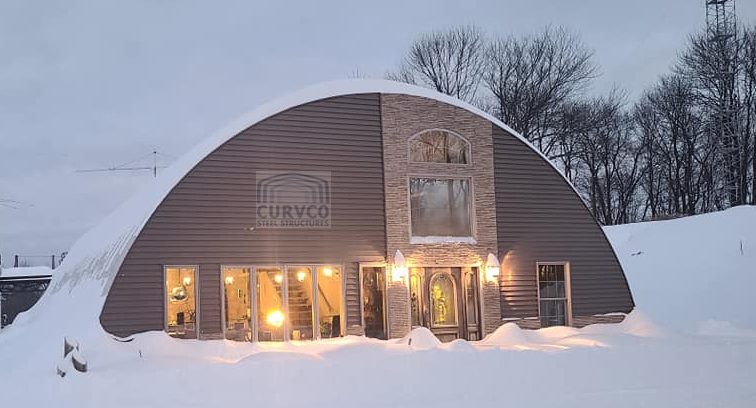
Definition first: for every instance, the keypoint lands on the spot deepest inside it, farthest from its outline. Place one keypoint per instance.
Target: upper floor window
(440, 207)
(439, 146)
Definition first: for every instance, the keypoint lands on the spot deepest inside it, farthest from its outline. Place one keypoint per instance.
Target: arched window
(439, 146)
(443, 300)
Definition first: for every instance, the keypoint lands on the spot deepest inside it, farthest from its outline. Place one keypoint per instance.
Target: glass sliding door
(299, 298)
(237, 304)
(373, 302)
(181, 301)
(330, 300)
(270, 304)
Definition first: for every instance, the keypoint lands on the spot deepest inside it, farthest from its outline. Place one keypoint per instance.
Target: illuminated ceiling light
(229, 280)
(492, 268)
(301, 276)
(278, 278)
(187, 281)
(399, 270)
(327, 272)
(275, 318)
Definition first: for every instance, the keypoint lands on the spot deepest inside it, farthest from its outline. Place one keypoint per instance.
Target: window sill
(442, 240)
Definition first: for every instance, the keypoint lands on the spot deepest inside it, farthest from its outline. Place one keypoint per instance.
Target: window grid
(552, 294)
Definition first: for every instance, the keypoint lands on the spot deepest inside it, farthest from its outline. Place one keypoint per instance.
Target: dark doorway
(373, 302)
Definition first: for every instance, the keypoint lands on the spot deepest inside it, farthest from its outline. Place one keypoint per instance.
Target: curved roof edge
(95, 258)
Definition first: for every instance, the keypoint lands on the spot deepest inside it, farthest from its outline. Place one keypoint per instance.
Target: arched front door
(446, 301)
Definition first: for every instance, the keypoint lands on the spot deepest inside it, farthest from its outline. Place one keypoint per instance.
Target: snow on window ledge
(442, 240)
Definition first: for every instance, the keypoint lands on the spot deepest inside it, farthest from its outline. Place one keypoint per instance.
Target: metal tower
(722, 35)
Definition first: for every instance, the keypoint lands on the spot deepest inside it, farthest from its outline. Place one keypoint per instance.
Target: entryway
(446, 300)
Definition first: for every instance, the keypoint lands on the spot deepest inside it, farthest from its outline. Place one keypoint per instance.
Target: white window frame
(252, 298)
(436, 239)
(196, 297)
(422, 132)
(253, 294)
(567, 289)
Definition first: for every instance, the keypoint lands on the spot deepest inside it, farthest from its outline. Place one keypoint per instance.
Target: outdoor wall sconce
(492, 268)
(399, 270)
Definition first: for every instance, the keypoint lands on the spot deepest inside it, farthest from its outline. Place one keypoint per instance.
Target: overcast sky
(90, 84)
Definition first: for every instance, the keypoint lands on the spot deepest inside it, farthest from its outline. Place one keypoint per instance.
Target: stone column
(397, 296)
(491, 306)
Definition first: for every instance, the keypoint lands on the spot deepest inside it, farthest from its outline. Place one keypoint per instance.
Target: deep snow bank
(692, 273)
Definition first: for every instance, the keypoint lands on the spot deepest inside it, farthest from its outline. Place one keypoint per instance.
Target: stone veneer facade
(403, 117)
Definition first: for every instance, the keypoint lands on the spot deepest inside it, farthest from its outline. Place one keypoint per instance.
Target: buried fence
(51, 261)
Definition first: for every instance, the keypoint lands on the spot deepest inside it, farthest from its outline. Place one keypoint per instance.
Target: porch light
(399, 270)
(275, 318)
(492, 268)
(229, 280)
(278, 278)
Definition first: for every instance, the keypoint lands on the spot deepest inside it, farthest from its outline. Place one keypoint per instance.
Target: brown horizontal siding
(541, 219)
(203, 220)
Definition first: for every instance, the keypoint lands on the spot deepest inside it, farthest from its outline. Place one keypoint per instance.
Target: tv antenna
(133, 165)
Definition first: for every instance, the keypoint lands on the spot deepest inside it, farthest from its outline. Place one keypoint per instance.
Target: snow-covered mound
(690, 272)
(420, 338)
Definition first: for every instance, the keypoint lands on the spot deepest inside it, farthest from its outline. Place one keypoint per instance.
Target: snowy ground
(692, 343)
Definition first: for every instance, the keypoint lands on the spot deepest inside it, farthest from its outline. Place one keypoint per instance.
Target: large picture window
(299, 291)
(237, 306)
(552, 294)
(440, 207)
(270, 310)
(329, 301)
(439, 146)
(181, 301)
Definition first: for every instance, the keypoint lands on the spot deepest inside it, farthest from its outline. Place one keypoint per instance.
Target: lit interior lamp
(275, 318)
(301, 276)
(492, 268)
(187, 281)
(327, 272)
(278, 278)
(399, 270)
(229, 280)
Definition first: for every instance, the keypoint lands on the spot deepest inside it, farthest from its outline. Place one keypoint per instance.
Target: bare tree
(713, 65)
(748, 102)
(450, 61)
(530, 77)
(608, 166)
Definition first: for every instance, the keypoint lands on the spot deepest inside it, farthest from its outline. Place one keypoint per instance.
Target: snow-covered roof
(93, 262)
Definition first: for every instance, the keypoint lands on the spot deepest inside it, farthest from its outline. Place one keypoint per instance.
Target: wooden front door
(445, 300)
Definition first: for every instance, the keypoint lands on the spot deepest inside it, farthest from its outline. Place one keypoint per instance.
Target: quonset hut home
(354, 207)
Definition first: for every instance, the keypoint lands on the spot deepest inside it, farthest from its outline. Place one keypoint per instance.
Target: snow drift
(692, 271)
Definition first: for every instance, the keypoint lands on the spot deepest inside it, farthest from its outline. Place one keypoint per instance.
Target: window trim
(196, 298)
(252, 297)
(383, 265)
(315, 310)
(440, 239)
(456, 302)
(567, 289)
(420, 133)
